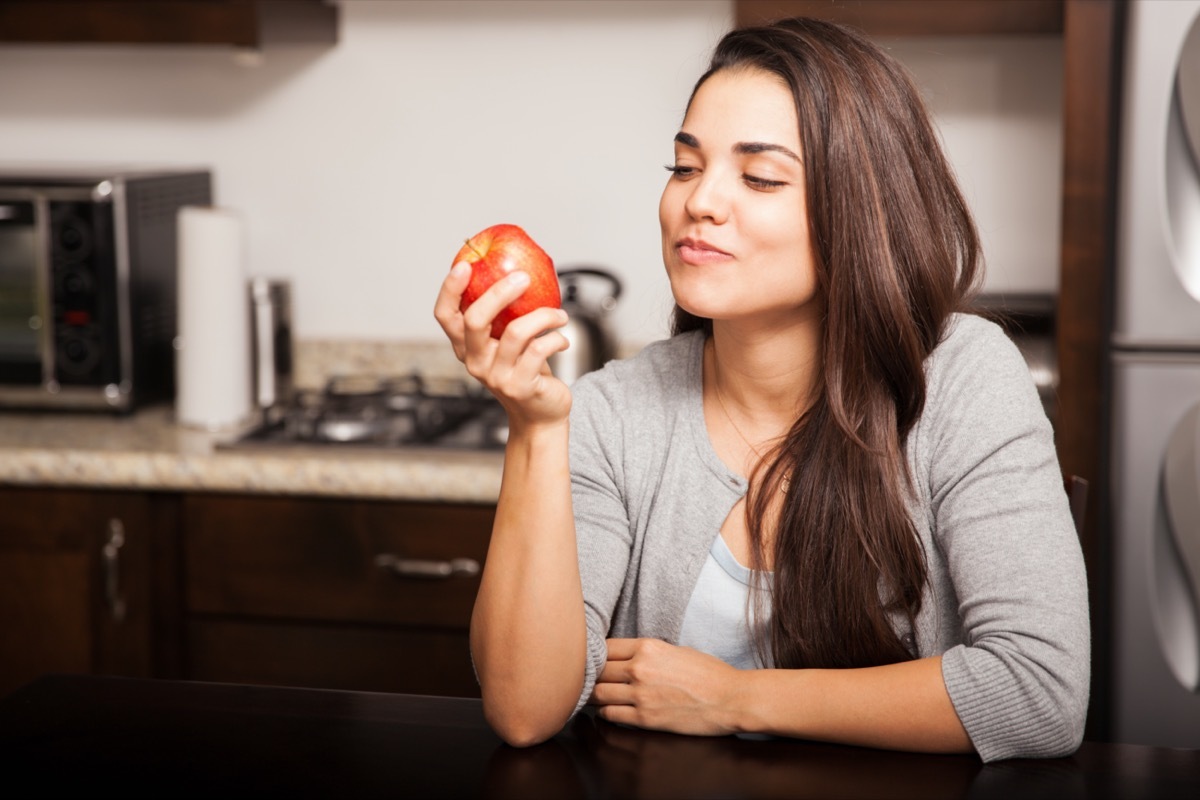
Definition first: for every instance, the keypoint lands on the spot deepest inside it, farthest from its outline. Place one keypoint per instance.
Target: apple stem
(473, 250)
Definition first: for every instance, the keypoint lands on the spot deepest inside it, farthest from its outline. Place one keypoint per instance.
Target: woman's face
(734, 225)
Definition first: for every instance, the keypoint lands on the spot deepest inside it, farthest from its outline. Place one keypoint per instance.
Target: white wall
(998, 103)
(360, 168)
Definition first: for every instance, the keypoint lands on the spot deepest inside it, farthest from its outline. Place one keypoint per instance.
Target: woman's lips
(697, 252)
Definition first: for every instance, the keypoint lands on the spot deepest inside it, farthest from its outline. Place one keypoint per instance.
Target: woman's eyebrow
(742, 148)
(750, 148)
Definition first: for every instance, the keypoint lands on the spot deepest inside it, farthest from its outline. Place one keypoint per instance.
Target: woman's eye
(680, 172)
(762, 183)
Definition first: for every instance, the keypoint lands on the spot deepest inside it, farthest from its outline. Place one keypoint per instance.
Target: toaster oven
(88, 285)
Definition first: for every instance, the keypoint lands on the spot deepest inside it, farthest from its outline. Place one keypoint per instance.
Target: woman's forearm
(528, 634)
(901, 706)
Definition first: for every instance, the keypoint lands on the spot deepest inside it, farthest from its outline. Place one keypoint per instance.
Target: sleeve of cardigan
(1020, 681)
(602, 527)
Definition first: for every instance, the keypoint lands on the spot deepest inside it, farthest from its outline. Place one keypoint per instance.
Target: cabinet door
(917, 17)
(241, 23)
(74, 584)
(339, 594)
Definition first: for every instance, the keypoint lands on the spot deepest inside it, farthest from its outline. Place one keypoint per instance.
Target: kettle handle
(594, 272)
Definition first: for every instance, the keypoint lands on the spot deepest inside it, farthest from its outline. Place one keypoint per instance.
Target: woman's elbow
(1032, 710)
(519, 728)
(1069, 733)
(1051, 727)
(1070, 703)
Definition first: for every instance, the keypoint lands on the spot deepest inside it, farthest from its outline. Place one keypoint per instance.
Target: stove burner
(408, 410)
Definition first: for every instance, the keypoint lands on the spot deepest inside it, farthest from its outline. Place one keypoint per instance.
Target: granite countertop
(149, 451)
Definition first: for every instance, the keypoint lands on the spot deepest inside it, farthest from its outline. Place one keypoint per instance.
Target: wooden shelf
(917, 17)
(236, 23)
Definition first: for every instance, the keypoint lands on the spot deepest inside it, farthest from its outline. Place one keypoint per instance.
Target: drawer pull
(111, 554)
(422, 568)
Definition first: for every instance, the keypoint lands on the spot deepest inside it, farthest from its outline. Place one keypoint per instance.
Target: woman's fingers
(446, 308)
(618, 668)
(614, 672)
(622, 649)
(529, 341)
(514, 367)
(473, 327)
(478, 318)
(607, 694)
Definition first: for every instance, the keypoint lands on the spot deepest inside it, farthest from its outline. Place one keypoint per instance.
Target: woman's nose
(709, 198)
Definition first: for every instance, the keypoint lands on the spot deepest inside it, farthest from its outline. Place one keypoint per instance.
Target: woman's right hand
(514, 368)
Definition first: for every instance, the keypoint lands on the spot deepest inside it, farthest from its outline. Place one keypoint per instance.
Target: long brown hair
(896, 253)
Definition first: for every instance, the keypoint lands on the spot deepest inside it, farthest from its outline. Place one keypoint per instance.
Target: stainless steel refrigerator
(1156, 383)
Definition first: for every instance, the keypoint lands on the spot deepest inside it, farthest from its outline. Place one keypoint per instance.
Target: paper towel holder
(214, 391)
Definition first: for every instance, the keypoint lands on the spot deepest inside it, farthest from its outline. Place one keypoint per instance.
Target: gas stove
(373, 412)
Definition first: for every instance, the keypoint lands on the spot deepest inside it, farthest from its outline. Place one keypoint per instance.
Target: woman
(829, 505)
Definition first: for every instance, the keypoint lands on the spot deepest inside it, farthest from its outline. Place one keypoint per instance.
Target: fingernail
(460, 269)
(519, 279)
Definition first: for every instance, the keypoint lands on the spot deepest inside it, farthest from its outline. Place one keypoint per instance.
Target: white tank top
(715, 620)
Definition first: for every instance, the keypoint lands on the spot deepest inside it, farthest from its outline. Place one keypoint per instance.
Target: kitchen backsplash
(317, 360)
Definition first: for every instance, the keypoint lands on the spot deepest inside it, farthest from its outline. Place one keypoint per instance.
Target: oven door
(26, 329)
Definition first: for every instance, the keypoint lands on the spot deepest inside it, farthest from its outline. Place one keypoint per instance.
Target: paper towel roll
(212, 360)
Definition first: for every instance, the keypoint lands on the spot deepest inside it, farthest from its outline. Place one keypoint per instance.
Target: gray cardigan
(1006, 600)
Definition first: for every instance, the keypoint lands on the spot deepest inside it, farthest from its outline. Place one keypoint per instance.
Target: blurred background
(359, 168)
(295, 484)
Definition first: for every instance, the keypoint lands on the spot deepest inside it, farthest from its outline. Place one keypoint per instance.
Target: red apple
(499, 250)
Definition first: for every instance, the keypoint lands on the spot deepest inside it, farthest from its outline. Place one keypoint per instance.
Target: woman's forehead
(743, 105)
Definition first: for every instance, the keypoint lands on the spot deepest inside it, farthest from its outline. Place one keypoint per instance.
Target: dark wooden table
(95, 737)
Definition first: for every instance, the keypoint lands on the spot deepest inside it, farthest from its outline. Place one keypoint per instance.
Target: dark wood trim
(376, 658)
(239, 23)
(74, 736)
(168, 657)
(917, 17)
(1092, 68)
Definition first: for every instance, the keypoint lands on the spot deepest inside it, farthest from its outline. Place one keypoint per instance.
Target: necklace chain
(725, 411)
(783, 484)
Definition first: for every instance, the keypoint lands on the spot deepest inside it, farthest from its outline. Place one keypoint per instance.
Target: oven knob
(76, 350)
(70, 238)
(74, 238)
(75, 284)
(77, 355)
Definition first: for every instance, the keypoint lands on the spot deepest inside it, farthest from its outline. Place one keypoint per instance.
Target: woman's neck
(765, 376)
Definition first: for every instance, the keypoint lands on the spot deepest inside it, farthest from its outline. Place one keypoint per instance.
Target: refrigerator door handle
(1182, 158)
(1181, 496)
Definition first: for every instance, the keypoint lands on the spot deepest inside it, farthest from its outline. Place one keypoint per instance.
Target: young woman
(829, 505)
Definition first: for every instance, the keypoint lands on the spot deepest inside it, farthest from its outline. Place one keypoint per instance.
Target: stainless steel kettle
(592, 343)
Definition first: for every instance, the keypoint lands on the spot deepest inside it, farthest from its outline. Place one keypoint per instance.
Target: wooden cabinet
(917, 17)
(331, 593)
(328, 593)
(239, 23)
(76, 583)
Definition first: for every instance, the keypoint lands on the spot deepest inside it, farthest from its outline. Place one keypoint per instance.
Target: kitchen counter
(148, 451)
(99, 737)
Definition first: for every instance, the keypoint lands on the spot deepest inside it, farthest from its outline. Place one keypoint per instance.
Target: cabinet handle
(112, 562)
(421, 568)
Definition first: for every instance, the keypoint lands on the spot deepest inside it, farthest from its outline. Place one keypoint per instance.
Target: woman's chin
(699, 304)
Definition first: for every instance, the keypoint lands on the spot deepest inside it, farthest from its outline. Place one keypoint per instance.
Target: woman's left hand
(652, 684)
